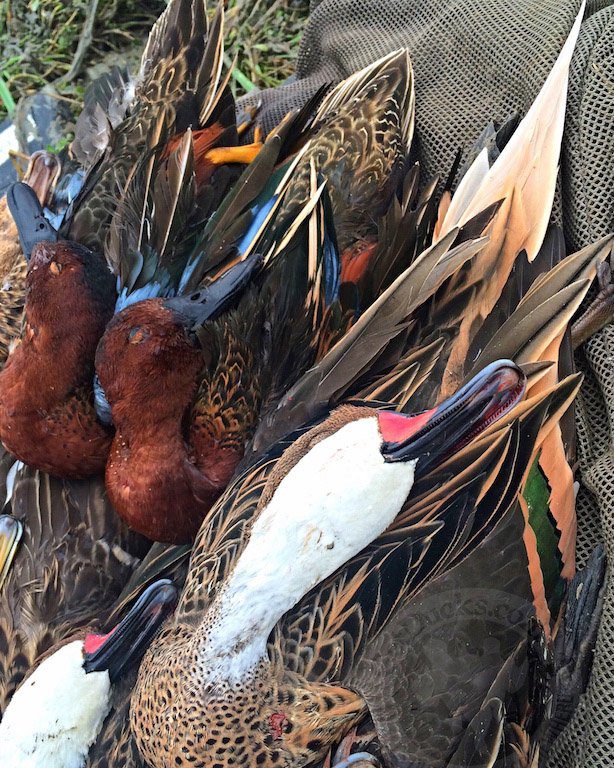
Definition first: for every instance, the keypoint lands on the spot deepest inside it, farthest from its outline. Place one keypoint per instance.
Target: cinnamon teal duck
(214, 380)
(47, 417)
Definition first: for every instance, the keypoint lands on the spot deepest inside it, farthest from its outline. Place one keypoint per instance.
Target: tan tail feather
(524, 178)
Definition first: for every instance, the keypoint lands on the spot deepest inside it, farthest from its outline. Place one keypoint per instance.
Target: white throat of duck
(56, 714)
(337, 499)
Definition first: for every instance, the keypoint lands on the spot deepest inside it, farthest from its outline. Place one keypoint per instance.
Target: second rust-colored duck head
(47, 418)
(149, 364)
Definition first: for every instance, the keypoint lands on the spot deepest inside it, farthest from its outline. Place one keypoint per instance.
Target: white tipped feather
(467, 190)
(523, 181)
(56, 715)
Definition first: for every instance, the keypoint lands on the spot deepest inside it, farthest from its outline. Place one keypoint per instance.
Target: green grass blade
(243, 80)
(5, 97)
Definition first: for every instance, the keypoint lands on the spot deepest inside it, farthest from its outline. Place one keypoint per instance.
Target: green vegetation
(264, 36)
(51, 41)
(537, 496)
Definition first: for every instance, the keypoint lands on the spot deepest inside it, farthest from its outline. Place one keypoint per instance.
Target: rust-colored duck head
(147, 355)
(149, 364)
(69, 285)
(47, 418)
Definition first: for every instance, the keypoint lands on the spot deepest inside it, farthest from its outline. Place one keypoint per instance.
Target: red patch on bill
(397, 427)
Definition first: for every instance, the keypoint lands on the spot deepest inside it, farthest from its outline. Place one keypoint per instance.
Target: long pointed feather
(524, 178)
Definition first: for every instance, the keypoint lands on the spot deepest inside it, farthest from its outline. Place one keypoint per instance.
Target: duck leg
(359, 760)
(224, 155)
(344, 758)
(248, 118)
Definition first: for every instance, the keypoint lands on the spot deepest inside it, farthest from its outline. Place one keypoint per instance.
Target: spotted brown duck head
(333, 492)
(47, 417)
(149, 365)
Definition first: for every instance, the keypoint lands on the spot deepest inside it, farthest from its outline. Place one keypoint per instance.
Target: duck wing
(180, 86)
(371, 345)
(362, 133)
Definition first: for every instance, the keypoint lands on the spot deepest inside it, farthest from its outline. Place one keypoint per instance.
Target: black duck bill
(124, 646)
(434, 435)
(27, 212)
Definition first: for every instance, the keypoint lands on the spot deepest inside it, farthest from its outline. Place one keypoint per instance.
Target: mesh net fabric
(481, 60)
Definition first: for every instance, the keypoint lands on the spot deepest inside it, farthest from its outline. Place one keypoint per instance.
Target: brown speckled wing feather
(361, 137)
(221, 539)
(173, 95)
(12, 302)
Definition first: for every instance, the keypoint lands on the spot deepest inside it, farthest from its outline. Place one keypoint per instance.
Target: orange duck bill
(432, 436)
(124, 645)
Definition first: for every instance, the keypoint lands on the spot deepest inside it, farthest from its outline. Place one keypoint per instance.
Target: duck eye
(55, 268)
(137, 335)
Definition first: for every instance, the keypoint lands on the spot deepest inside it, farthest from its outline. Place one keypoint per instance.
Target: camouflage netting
(477, 60)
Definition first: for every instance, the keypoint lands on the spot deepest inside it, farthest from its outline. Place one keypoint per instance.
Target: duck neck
(152, 430)
(153, 409)
(242, 617)
(34, 366)
(333, 502)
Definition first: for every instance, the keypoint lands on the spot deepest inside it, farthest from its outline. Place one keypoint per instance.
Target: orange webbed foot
(226, 155)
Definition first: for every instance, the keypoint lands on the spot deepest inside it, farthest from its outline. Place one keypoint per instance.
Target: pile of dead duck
(287, 447)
